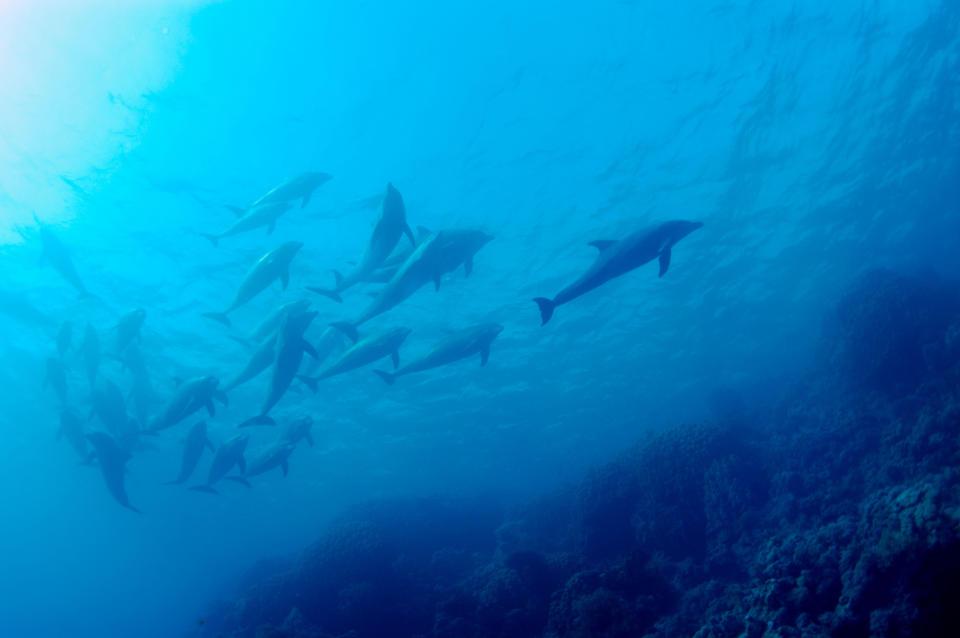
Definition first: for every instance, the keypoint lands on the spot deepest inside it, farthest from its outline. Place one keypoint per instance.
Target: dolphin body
(269, 326)
(59, 257)
(228, 455)
(260, 360)
(288, 356)
(298, 429)
(474, 340)
(193, 447)
(437, 255)
(111, 409)
(71, 427)
(274, 455)
(128, 328)
(260, 216)
(300, 187)
(190, 396)
(56, 378)
(272, 266)
(365, 351)
(390, 226)
(91, 353)
(618, 257)
(113, 464)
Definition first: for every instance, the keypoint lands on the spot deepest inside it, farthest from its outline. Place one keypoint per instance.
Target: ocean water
(815, 141)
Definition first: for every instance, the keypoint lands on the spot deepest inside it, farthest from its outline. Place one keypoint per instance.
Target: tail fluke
(387, 377)
(546, 307)
(329, 294)
(132, 508)
(218, 316)
(263, 419)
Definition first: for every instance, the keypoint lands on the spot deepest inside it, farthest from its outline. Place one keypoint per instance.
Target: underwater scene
(427, 319)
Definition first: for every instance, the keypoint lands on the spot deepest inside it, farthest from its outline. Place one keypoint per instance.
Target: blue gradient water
(814, 140)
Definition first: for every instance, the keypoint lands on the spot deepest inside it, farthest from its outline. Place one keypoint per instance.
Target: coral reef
(835, 514)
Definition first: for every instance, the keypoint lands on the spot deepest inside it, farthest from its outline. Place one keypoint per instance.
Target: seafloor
(833, 513)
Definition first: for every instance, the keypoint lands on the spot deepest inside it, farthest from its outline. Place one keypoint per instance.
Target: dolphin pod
(618, 257)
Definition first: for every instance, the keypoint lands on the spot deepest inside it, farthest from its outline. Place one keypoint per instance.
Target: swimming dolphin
(269, 326)
(56, 378)
(190, 396)
(64, 337)
(474, 340)
(259, 361)
(289, 354)
(71, 426)
(262, 216)
(59, 257)
(300, 187)
(618, 257)
(229, 454)
(193, 447)
(390, 226)
(298, 429)
(111, 409)
(437, 255)
(365, 351)
(91, 353)
(128, 328)
(113, 463)
(274, 455)
(272, 266)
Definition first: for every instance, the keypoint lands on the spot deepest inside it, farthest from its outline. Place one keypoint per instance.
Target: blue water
(814, 140)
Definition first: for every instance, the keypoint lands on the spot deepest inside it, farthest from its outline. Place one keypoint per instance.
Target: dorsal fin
(602, 244)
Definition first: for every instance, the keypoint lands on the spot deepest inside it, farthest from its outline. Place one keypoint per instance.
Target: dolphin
(141, 391)
(274, 455)
(190, 396)
(59, 257)
(56, 378)
(91, 353)
(365, 351)
(259, 361)
(113, 464)
(474, 340)
(128, 328)
(71, 426)
(442, 252)
(289, 354)
(193, 447)
(111, 409)
(298, 429)
(229, 454)
(300, 187)
(264, 215)
(272, 266)
(390, 226)
(618, 257)
(269, 326)
(64, 337)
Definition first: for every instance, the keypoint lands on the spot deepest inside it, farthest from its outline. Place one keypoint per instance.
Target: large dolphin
(272, 266)
(289, 354)
(128, 328)
(437, 255)
(193, 447)
(91, 353)
(190, 396)
(618, 257)
(71, 427)
(298, 429)
(474, 340)
(364, 352)
(259, 361)
(300, 187)
(113, 464)
(56, 378)
(111, 409)
(59, 257)
(390, 226)
(228, 455)
(262, 216)
(274, 455)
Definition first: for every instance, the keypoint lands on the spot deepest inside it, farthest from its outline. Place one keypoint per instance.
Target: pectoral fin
(310, 350)
(284, 467)
(211, 408)
(484, 355)
(242, 464)
(664, 260)
(209, 444)
(284, 278)
(309, 438)
(395, 357)
(468, 266)
(602, 244)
